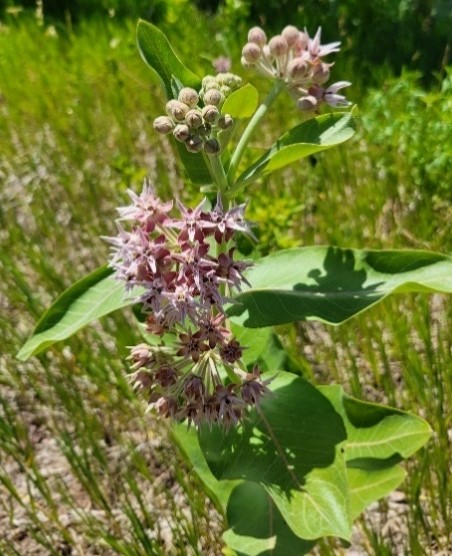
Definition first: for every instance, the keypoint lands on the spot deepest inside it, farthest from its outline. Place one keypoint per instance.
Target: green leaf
(187, 441)
(262, 347)
(156, 51)
(378, 438)
(241, 104)
(250, 532)
(257, 528)
(310, 137)
(331, 284)
(368, 486)
(293, 447)
(90, 298)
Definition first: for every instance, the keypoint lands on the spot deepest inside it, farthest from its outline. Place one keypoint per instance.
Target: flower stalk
(250, 128)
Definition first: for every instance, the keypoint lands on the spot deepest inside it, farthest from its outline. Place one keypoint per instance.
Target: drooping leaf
(257, 528)
(293, 447)
(378, 438)
(92, 297)
(310, 137)
(333, 284)
(156, 51)
(241, 104)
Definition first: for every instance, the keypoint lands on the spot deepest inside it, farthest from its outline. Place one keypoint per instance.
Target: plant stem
(220, 176)
(253, 123)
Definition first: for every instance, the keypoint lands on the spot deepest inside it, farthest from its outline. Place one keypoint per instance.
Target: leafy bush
(412, 129)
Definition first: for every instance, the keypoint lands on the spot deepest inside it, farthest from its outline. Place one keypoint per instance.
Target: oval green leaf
(331, 284)
(250, 532)
(90, 298)
(378, 438)
(313, 136)
(157, 53)
(241, 104)
(256, 526)
(293, 447)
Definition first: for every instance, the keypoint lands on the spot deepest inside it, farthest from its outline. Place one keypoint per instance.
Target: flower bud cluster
(223, 83)
(295, 58)
(195, 126)
(185, 269)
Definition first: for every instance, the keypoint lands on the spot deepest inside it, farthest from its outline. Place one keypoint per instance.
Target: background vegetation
(82, 469)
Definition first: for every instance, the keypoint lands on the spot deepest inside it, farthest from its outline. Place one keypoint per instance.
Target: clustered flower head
(198, 126)
(185, 268)
(296, 58)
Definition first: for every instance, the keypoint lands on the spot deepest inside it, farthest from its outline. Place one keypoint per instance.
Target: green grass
(81, 466)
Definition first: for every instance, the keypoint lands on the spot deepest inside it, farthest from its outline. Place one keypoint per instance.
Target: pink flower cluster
(296, 58)
(186, 272)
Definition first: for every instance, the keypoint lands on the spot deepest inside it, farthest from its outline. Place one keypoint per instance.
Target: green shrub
(412, 130)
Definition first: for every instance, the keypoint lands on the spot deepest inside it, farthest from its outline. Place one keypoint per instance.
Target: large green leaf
(242, 103)
(369, 485)
(256, 526)
(310, 137)
(323, 283)
(293, 447)
(90, 298)
(156, 51)
(378, 438)
(333, 284)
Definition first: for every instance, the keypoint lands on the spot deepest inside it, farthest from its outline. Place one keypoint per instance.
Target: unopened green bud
(163, 125)
(210, 113)
(194, 144)
(212, 96)
(179, 111)
(169, 107)
(188, 96)
(211, 146)
(208, 81)
(229, 79)
(234, 81)
(204, 129)
(181, 132)
(193, 118)
(225, 90)
(225, 121)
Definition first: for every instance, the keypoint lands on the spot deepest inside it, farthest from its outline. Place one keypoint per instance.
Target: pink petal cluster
(296, 58)
(185, 268)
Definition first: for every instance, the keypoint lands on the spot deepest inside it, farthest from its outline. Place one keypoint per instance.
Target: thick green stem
(218, 174)
(253, 123)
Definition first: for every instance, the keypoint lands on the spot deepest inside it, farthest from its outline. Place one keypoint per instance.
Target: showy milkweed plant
(285, 461)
